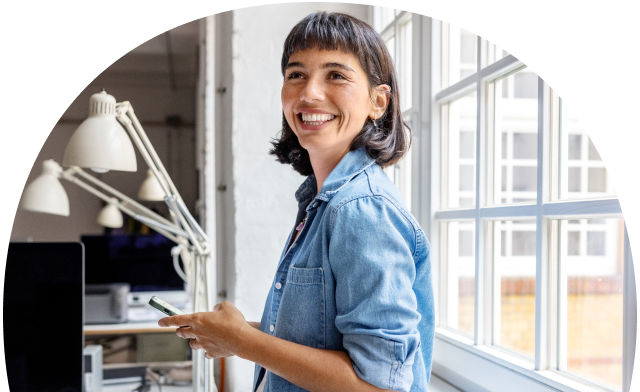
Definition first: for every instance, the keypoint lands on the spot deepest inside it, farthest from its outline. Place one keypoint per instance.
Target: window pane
(382, 17)
(460, 267)
(467, 144)
(590, 295)
(494, 53)
(575, 146)
(597, 180)
(574, 179)
(458, 152)
(582, 172)
(524, 179)
(404, 68)
(525, 145)
(391, 47)
(459, 54)
(515, 139)
(467, 173)
(514, 290)
(525, 85)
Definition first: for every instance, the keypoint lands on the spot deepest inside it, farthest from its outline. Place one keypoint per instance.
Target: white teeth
(317, 119)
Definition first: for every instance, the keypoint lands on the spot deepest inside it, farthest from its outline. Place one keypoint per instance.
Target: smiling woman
(351, 305)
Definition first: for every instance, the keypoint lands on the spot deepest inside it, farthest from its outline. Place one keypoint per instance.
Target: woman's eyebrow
(294, 64)
(324, 66)
(337, 65)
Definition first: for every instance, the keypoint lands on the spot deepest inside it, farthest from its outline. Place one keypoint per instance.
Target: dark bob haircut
(387, 140)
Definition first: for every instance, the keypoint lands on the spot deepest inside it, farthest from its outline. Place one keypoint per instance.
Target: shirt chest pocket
(301, 315)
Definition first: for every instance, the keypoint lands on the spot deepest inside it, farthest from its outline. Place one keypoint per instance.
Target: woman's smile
(314, 120)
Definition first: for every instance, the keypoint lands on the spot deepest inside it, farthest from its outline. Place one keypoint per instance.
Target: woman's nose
(312, 91)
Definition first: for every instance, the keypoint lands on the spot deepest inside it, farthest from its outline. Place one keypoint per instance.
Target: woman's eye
(336, 75)
(294, 75)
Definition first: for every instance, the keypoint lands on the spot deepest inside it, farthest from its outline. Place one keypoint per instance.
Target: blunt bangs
(323, 31)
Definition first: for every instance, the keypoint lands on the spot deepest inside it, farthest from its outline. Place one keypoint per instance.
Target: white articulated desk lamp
(101, 143)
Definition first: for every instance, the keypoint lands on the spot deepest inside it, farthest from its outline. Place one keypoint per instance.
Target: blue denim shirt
(358, 279)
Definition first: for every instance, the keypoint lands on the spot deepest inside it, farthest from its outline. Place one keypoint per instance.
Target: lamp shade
(100, 142)
(46, 193)
(150, 189)
(110, 216)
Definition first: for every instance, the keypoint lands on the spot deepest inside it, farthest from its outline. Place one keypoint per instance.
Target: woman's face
(326, 100)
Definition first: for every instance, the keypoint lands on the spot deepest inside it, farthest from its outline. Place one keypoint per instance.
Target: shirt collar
(352, 164)
(307, 190)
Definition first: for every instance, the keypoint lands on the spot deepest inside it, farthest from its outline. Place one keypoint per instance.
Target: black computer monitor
(44, 317)
(143, 261)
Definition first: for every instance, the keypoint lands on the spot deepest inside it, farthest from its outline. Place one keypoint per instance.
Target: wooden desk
(126, 328)
(142, 341)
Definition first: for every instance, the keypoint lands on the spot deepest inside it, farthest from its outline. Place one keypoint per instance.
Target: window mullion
(562, 301)
(501, 68)
(482, 310)
(582, 209)
(542, 229)
(630, 314)
(458, 90)
(432, 125)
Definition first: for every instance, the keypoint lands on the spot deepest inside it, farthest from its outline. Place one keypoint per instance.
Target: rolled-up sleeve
(371, 254)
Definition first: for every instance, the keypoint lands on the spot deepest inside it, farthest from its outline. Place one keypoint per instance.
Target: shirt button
(271, 328)
(315, 204)
(278, 285)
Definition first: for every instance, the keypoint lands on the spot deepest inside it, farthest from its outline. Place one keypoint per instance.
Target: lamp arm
(175, 252)
(126, 116)
(128, 119)
(194, 224)
(171, 201)
(150, 150)
(125, 121)
(134, 205)
(159, 227)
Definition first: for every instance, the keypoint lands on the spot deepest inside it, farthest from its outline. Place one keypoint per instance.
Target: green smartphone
(164, 307)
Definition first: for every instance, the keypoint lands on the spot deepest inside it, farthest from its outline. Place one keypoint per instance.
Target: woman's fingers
(218, 332)
(186, 333)
(195, 344)
(211, 351)
(175, 321)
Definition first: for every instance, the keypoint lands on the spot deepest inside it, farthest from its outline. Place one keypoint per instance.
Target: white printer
(106, 303)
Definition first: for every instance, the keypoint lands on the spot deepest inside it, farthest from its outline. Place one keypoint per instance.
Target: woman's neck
(323, 164)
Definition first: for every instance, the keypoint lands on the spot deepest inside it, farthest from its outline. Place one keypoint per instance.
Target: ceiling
(167, 60)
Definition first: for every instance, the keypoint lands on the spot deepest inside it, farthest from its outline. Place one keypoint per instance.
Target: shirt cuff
(381, 362)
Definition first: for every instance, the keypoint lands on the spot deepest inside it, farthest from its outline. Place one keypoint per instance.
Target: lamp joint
(123, 118)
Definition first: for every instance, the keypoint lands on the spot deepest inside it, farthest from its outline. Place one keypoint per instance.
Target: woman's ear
(380, 97)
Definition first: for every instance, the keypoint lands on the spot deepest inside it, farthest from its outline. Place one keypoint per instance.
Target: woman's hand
(219, 332)
(224, 332)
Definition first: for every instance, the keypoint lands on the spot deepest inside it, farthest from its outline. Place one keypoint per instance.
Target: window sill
(483, 368)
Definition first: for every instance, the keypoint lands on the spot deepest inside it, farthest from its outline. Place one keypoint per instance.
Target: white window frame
(400, 173)
(475, 364)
